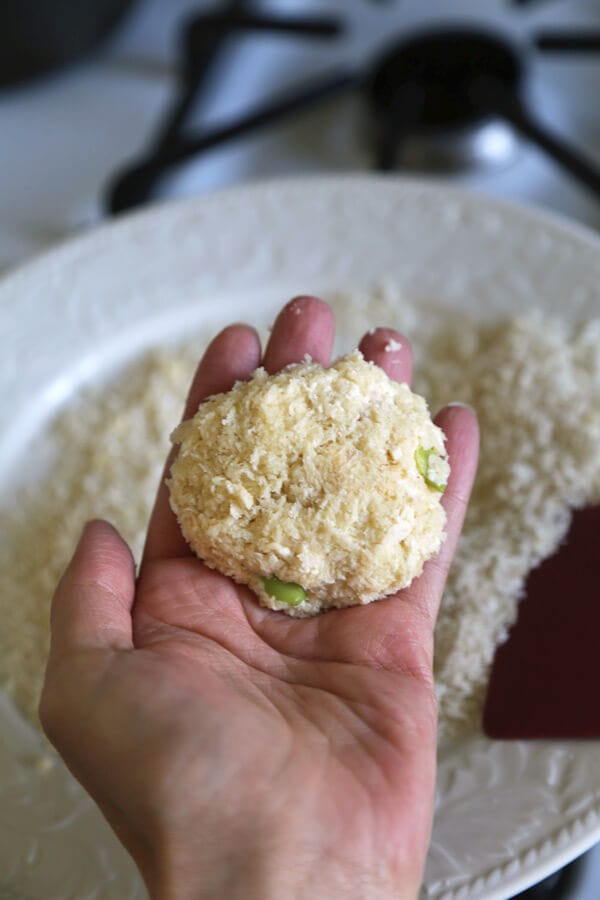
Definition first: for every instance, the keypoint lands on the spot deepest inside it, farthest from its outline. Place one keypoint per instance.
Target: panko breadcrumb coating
(538, 377)
(317, 487)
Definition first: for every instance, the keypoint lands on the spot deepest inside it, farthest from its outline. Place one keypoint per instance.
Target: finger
(232, 356)
(398, 633)
(92, 604)
(389, 350)
(305, 325)
(459, 424)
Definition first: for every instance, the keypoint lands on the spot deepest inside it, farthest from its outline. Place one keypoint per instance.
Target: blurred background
(109, 105)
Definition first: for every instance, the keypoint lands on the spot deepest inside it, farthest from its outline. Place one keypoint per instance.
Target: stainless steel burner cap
(434, 100)
(491, 144)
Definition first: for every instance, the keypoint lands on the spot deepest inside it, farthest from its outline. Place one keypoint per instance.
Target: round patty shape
(326, 479)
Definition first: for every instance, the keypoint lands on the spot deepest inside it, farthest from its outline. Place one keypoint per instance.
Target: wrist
(271, 875)
(210, 866)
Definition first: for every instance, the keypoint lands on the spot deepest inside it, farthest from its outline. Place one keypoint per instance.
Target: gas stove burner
(430, 99)
(444, 98)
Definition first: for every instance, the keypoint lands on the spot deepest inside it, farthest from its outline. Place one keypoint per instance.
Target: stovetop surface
(65, 137)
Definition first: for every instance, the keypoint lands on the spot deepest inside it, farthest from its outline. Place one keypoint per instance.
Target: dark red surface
(545, 680)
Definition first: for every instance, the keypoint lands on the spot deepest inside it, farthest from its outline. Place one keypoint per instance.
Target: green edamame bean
(287, 592)
(422, 460)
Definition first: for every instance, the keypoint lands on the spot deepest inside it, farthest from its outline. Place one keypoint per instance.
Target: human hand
(236, 751)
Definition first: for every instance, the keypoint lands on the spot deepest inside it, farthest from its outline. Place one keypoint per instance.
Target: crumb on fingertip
(392, 346)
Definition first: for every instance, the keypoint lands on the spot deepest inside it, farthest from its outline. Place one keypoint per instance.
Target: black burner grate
(446, 79)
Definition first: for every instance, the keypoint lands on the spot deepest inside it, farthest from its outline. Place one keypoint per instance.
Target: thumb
(91, 608)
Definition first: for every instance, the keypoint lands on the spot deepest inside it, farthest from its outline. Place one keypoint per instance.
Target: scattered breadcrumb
(534, 382)
(392, 346)
(109, 451)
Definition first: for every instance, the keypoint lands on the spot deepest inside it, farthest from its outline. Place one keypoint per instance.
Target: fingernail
(461, 405)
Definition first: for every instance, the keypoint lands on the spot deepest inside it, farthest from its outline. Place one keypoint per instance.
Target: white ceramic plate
(507, 813)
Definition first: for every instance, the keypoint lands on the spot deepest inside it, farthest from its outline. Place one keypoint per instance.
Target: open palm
(234, 750)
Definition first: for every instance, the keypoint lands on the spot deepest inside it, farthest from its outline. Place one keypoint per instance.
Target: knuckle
(53, 710)
(49, 712)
